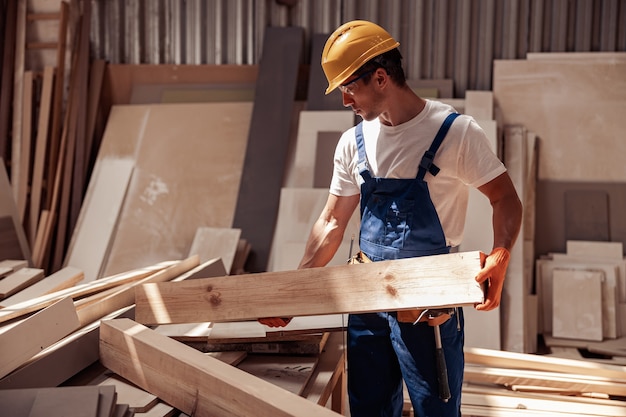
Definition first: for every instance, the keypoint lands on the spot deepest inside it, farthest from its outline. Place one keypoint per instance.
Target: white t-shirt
(465, 159)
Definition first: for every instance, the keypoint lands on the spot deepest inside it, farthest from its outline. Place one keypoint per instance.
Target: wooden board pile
(91, 328)
(582, 297)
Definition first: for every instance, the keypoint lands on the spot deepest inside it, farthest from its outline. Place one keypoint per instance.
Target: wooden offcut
(204, 385)
(432, 281)
(22, 341)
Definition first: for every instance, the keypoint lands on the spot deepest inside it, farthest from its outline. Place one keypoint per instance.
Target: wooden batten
(433, 281)
(205, 386)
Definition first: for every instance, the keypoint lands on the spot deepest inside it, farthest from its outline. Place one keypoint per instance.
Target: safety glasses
(351, 86)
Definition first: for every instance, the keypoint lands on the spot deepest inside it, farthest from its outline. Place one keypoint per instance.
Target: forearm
(507, 219)
(322, 244)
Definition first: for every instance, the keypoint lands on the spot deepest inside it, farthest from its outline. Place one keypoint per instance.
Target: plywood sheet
(545, 268)
(268, 141)
(595, 249)
(215, 242)
(552, 98)
(312, 122)
(188, 166)
(577, 304)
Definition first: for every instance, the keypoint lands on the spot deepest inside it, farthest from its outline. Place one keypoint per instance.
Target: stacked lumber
(54, 103)
(582, 295)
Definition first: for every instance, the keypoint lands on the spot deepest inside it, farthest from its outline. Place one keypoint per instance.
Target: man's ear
(380, 77)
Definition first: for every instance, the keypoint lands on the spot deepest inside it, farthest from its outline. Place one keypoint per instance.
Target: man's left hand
(493, 274)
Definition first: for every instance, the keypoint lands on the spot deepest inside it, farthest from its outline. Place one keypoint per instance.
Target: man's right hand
(275, 321)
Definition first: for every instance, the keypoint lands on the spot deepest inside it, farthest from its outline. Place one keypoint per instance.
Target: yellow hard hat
(350, 46)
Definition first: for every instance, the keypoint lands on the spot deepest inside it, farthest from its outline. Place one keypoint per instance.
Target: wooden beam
(430, 281)
(488, 357)
(204, 385)
(22, 341)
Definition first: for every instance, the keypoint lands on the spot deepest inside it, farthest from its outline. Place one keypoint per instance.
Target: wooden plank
(518, 274)
(41, 146)
(266, 154)
(35, 304)
(61, 361)
(98, 220)
(12, 233)
(97, 306)
(215, 242)
(57, 103)
(26, 144)
(432, 281)
(18, 95)
(6, 76)
(562, 382)
(19, 280)
(60, 280)
(513, 360)
(550, 406)
(577, 304)
(205, 386)
(21, 342)
(96, 76)
(13, 264)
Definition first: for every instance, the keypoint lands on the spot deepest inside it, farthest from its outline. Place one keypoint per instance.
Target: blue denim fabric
(383, 351)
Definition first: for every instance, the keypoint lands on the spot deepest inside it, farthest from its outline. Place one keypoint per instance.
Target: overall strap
(426, 164)
(363, 167)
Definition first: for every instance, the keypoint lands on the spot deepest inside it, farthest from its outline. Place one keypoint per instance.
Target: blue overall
(399, 220)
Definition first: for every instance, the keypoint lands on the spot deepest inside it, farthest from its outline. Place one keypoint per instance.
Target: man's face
(359, 96)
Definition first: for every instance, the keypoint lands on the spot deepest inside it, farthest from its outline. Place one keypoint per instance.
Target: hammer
(442, 370)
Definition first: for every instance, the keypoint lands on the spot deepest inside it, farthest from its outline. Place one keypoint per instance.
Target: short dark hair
(390, 61)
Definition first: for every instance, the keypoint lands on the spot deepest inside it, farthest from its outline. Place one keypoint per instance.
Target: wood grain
(205, 386)
(433, 281)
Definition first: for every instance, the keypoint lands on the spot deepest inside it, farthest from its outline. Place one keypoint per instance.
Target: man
(409, 164)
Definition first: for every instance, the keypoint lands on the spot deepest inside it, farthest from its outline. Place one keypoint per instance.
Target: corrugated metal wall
(455, 39)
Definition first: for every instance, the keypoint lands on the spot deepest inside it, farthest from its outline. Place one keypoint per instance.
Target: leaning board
(188, 164)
